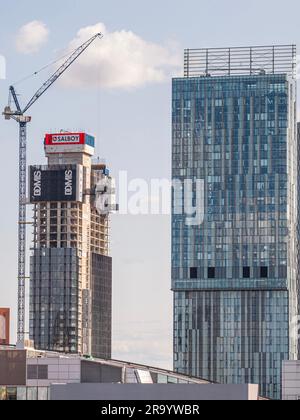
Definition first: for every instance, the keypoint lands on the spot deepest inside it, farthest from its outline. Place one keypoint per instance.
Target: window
(246, 272)
(263, 272)
(21, 393)
(2, 393)
(11, 394)
(194, 273)
(42, 394)
(43, 372)
(32, 393)
(211, 272)
(32, 372)
(37, 372)
(162, 379)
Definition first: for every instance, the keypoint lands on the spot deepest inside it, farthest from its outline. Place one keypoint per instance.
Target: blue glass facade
(234, 276)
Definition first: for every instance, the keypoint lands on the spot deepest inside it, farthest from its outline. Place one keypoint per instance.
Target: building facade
(71, 270)
(234, 274)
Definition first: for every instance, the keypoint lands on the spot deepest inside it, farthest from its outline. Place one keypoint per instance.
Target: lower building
(291, 380)
(35, 375)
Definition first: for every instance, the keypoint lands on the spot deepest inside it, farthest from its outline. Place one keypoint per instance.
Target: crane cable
(40, 70)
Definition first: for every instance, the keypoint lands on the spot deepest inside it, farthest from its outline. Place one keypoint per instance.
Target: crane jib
(73, 57)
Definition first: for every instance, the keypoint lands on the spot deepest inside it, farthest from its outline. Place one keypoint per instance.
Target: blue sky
(132, 126)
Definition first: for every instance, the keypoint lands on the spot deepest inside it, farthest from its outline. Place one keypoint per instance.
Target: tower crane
(18, 114)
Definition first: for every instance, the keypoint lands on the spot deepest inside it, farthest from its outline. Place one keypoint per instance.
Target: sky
(120, 91)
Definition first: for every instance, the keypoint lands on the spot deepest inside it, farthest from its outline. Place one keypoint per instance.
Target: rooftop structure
(275, 59)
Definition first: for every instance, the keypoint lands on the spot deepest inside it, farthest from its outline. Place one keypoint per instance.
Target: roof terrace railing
(275, 59)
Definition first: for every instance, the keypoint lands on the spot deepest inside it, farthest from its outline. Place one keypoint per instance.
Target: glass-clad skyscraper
(234, 273)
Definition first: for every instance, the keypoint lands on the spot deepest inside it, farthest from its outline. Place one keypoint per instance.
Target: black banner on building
(61, 184)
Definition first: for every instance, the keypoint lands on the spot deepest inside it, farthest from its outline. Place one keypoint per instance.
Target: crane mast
(19, 116)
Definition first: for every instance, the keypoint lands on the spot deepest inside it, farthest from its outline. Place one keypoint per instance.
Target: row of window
(24, 393)
(211, 273)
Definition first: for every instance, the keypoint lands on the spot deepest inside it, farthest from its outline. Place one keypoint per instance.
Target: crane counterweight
(7, 113)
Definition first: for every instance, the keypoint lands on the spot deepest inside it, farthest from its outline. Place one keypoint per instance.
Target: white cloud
(121, 59)
(31, 37)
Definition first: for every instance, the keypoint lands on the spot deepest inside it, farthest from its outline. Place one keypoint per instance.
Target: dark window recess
(211, 273)
(37, 372)
(263, 272)
(194, 273)
(43, 372)
(32, 372)
(246, 272)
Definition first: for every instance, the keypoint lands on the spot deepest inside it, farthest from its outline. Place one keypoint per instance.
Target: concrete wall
(156, 392)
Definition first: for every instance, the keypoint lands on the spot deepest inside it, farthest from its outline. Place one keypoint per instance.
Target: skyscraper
(71, 270)
(234, 275)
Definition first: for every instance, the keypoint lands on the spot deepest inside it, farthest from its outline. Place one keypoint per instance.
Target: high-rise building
(71, 270)
(234, 273)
